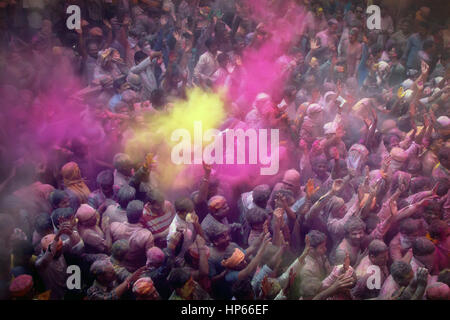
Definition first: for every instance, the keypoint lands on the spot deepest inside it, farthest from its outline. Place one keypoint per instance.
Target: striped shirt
(158, 223)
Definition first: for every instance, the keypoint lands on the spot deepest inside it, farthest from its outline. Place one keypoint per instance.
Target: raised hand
(206, 168)
(422, 276)
(310, 190)
(385, 165)
(133, 277)
(265, 286)
(290, 283)
(314, 45)
(150, 161)
(278, 213)
(393, 207)
(408, 256)
(346, 263)
(107, 24)
(424, 67)
(266, 226)
(343, 282)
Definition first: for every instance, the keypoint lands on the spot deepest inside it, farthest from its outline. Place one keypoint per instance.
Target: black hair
(134, 211)
(178, 277)
(61, 213)
(118, 82)
(444, 276)
(184, 205)
(56, 197)
(316, 238)
(43, 223)
(242, 289)
(209, 43)
(399, 269)
(125, 195)
(22, 248)
(105, 178)
(155, 196)
(423, 246)
(427, 44)
(376, 247)
(256, 216)
(139, 56)
(376, 48)
(157, 98)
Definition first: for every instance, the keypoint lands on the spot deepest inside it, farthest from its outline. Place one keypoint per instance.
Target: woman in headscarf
(74, 183)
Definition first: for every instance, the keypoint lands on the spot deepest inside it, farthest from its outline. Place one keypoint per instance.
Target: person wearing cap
(144, 289)
(95, 239)
(21, 288)
(218, 211)
(158, 268)
(239, 267)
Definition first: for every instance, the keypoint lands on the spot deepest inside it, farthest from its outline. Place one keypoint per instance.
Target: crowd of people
(359, 210)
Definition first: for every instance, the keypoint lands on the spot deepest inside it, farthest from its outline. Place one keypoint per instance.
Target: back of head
(134, 211)
(423, 247)
(139, 56)
(316, 238)
(125, 195)
(122, 162)
(376, 247)
(444, 276)
(261, 194)
(409, 226)
(243, 290)
(438, 230)
(184, 205)
(256, 216)
(157, 98)
(56, 197)
(354, 224)
(105, 178)
(119, 249)
(43, 223)
(155, 196)
(178, 277)
(400, 269)
(99, 267)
